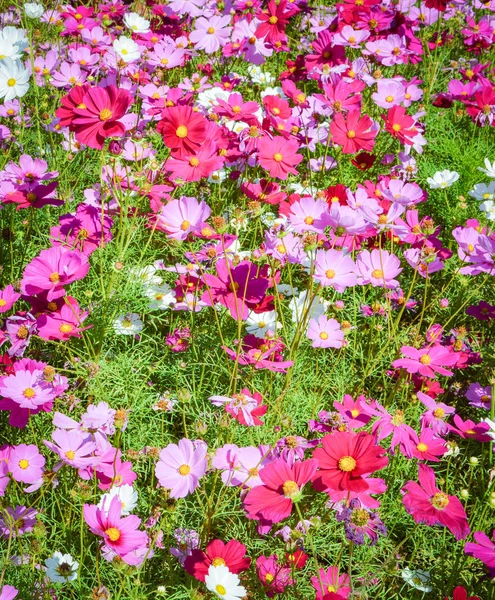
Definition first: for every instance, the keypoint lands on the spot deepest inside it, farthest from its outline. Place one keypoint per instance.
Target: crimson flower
(182, 129)
(345, 459)
(98, 116)
(354, 134)
(427, 504)
(282, 486)
(274, 21)
(217, 553)
(73, 99)
(460, 593)
(400, 125)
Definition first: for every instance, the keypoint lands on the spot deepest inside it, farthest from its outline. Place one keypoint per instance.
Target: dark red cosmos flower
(460, 593)
(217, 553)
(345, 459)
(73, 99)
(364, 161)
(440, 5)
(297, 559)
(182, 129)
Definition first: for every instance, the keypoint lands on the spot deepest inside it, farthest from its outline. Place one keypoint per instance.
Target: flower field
(247, 260)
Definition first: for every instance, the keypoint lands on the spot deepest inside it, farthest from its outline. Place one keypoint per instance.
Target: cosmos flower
(181, 466)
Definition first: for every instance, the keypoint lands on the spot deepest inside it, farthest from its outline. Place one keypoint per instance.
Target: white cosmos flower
(443, 179)
(14, 79)
(417, 579)
(224, 584)
(303, 311)
(15, 36)
(127, 495)
(128, 324)
(259, 323)
(126, 49)
(61, 568)
(146, 274)
(33, 10)
(136, 23)
(491, 424)
(161, 296)
(481, 191)
(209, 97)
(489, 168)
(488, 208)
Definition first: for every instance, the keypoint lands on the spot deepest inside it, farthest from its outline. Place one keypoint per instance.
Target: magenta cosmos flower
(279, 156)
(64, 323)
(483, 549)
(325, 333)
(8, 592)
(8, 297)
(379, 268)
(181, 217)
(120, 534)
(426, 361)
(282, 486)
(335, 269)
(51, 270)
(181, 466)
(235, 287)
(427, 504)
(26, 463)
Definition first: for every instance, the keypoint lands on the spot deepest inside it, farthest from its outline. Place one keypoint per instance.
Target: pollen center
(181, 131)
(105, 114)
(29, 393)
(351, 134)
(194, 162)
(290, 488)
(113, 533)
(377, 274)
(278, 157)
(23, 463)
(425, 359)
(11, 82)
(54, 278)
(218, 562)
(66, 328)
(184, 470)
(330, 274)
(185, 225)
(440, 500)
(220, 590)
(347, 464)
(272, 20)
(422, 447)
(70, 454)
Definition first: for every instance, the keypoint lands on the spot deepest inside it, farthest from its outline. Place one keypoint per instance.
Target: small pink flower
(8, 297)
(181, 466)
(325, 333)
(427, 361)
(379, 268)
(26, 463)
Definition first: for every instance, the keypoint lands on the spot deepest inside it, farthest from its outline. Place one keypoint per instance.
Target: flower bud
(473, 461)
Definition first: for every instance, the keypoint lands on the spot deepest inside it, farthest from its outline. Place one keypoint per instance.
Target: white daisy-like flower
(302, 310)
(15, 36)
(489, 168)
(126, 49)
(224, 584)
(61, 568)
(146, 275)
(33, 10)
(481, 191)
(208, 98)
(161, 296)
(260, 323)
(128, 324)
(417, 579)
(491, 424)
(443, 179)
(14, 79)
(488, 208)
(257, 75)
(136, 23)
(218, 176)
(286, 290)
(127, 495)
(273, 91)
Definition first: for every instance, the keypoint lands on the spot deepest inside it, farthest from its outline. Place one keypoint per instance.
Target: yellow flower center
(23, 463)
(70, 454)
(290, 488)
(184, 470)
(324, 335)
(220, 590)
(29, 393)
(185, 225)
(425, 359)
(269, 577)
(54, 278)
(272, 20)
(3, 302)
(396, 127)
(66, 328)
(278, 157)
(194, 162)
(440, 500)
(210, 30)
(218, 562)
(351, 134)
(22, 332)
(438, 413)
(389, 99)
(253, 472)
(347, 464)
(422, 447)
(331, 588)
(11, 82)
(309, 220)
(330, 274)
(113, 533)
(377, 274)
(181, 131)
(105, 114)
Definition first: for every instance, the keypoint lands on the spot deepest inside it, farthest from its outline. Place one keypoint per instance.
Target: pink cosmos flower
(436, 414)
(470, 430)
(8, 592)
(428, 446)
(8, 297)
(483, 549)
(379, 268)
(355, 413)
(26, 463)
(211, 34)
(330, 581)
(119, 534)
(27, 388)
(4, 469)
(427, 504)
(353, 134)
(426, 361)
(181, 466)
(244, 407)
(62, 324)
(325, 333)
(274, 576)
(279, 156)
(335, 269)
(235, 287)
(20, 520)
(51, 270)
(394, 423)
(74, 447)
(390, 92)
(309, 215)
(86, 230)
(181, 217)
(193, 167)
(282, 486)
